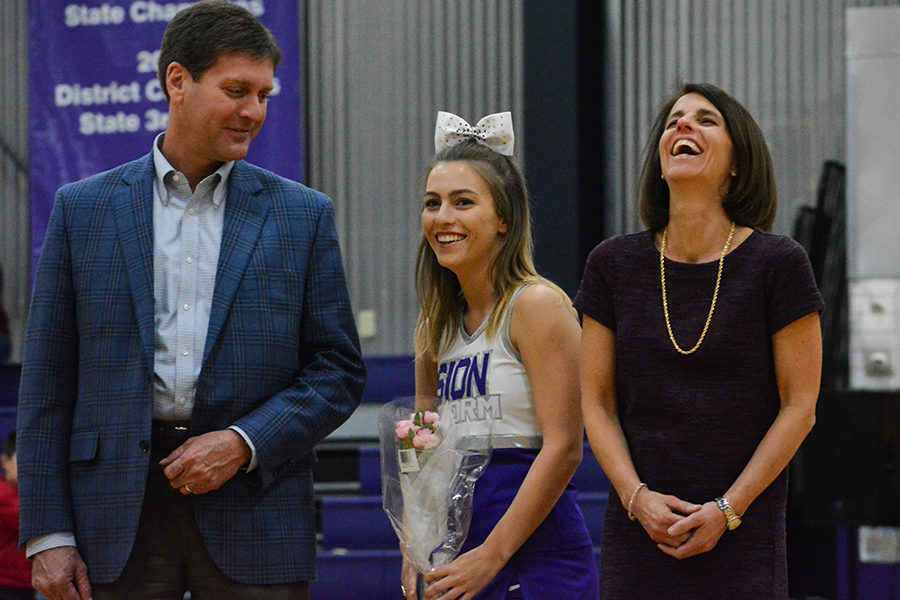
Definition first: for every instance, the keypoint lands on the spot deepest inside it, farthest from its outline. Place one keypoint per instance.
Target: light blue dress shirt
(187, 233)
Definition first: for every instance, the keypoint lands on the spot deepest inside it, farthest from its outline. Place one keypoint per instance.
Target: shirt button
(184, 352)
(189, 259)
(191, 211)
(187, 307)
(176, 177)
(182, 401)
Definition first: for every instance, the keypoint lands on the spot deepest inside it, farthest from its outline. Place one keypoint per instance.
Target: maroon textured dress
(692, 422)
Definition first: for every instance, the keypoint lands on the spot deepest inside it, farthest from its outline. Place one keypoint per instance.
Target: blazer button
(144, 446)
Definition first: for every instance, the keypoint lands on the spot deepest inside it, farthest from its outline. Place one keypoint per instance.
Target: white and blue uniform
(483, 384)
(482, 380)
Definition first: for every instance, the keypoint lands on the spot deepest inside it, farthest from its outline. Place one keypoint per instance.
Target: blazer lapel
(246, 208)
(133, 206)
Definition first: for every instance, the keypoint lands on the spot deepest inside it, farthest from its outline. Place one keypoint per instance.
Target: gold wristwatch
(732, 518)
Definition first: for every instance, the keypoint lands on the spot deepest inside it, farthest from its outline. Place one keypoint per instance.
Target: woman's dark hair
(198, 35)
(750, 200)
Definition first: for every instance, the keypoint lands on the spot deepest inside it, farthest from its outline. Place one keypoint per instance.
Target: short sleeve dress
(693, 422)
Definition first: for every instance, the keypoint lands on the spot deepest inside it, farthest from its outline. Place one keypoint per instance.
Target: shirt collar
(162, 169)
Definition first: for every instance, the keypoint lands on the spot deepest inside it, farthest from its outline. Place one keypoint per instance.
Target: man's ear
(176, 77)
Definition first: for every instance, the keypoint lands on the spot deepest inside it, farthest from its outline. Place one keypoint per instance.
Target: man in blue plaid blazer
(190, 340)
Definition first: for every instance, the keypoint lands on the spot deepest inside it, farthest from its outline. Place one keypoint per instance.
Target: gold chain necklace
(712, 307)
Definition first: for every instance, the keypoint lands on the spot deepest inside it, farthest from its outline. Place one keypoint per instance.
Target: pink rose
(432, 418)
(403, 428)
(425, 439)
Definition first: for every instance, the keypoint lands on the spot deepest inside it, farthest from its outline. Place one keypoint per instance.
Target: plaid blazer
(282, 361)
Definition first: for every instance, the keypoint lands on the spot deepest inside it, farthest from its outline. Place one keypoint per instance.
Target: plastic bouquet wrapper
(429, 467)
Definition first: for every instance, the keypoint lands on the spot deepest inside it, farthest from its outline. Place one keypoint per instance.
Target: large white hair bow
(494, 131)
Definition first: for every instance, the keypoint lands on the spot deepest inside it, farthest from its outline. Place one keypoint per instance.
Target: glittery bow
(494, 131)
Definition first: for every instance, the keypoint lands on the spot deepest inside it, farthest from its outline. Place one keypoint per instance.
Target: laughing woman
(482, 301)
(700, 364)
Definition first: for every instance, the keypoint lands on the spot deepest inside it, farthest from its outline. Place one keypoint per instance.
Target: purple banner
(95, 101)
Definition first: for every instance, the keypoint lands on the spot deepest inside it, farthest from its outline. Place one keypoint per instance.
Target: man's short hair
(198, 35)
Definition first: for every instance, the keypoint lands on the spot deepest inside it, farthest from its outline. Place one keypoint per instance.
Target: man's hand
(60, 574)
(204, 463)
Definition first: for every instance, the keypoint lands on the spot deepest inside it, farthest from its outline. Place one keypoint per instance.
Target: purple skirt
(557, 561)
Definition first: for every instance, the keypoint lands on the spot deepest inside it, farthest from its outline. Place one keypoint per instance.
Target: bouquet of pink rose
(429, 466)
(419, 432)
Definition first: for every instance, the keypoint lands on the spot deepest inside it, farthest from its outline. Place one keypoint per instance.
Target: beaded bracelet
(631, 501)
